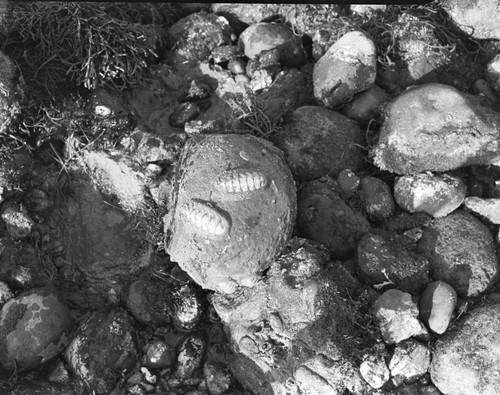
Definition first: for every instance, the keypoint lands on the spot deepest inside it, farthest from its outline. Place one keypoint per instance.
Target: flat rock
(488, 209)
(437, 304)
(436, 195)
(318, 141)
(434, 127)
(469, 264)
(347, 68)
(465, 361)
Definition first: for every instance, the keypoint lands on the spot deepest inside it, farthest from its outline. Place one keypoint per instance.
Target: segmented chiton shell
(240, 181)
(207, 219)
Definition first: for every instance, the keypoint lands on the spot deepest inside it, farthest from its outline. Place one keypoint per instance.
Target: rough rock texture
(410, 361)
(264, 36)
(436, 195)
(466, 361)
(16, 220)
(102, 348)
(488, 209)
(434, 127)
(469, 264)
(318, 141)
(347, 68)
(233, 210)
(294, 331)
(392, 260)
(374, 371)
(376, 198)
(478, 18)
(248, 13)
(366, 105)
(323, 216)
(34, 328)
(437, 304)
(10, 93)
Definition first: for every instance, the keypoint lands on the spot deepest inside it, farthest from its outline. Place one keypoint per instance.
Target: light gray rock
(376, 198)
(398, 316)
(437, 304)
(374, 371)
(436, 195)
(16, 220)
(347, 68)
(434, 127)
(488, 209)
(248, 13)
(465, 361)
(411, 360)
(367, 104)
(492, 72)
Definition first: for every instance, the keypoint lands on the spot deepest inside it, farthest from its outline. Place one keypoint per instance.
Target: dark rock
(376, 198)
(10, 94)
(187, 307)
(318, 141)
(159, 355)
(5, 294)
(183, 113)
(367, 104)
(190, 356)
(217, 377)
(492, 73)
(348, 182)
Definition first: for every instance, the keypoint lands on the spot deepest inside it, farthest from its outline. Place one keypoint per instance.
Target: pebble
(16, 220)
(410, 361)
(348, 182)
(437, 304)
(376, 198)
(237, 66)
(190, 356)
(374, 371)
(183, 113)
(158, 355)
(366, 105)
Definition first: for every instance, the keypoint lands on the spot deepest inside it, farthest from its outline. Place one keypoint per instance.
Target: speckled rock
(468, 264)
(376, 198)
(218, 378)
(248, 13)
(492, 73)
(158, 354)
(434, 127)
(436, 195)
(367, 104)
(190, 355)
(264, 36)
(325, 217)
(398, 316)
(347, 68)
(102, 348)
(5, 293)
(374, 371)
(489, 209)
(16, 220)
(437, 304)
(145, 147)
(391, 260)
(318, 141)
(464, 361)
(233, 210)
(10, 93)
(34, 328)
(410, 361)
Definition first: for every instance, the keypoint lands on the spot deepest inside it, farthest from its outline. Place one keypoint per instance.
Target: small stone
(16, 219)
(105, 103)
(492, 73)
(348, 182)
(159, 355)
(198, 91)
(187, 310)
(366, 105)
(190, 355)
(437, 304)
(263, 78)
(398, 316)
(226, 53)
(5, 294)
(410, 361)
(237, 66)
(150, 378)
(488, 209)
(375, 371)
(269, 58)
(376, 198)
(436, 195)
(185, 112)
(217, 377)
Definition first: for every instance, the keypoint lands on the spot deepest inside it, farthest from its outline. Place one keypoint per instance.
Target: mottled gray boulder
(392, 260)
(436, 195)
(347, 68)
(489, 209)
(263, 36)
(318, 141)
(434, 127)
(376, 199)
(294, 333)
(323, 216)
(480, 19)
(462, 253)
(465, 361)
(367, 104)
(10, 93)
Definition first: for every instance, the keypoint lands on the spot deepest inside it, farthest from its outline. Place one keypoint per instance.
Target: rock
(183, 113)
(16, 220)
(34, 328)
(187, 309)
(323, 216)
(484, 89)
(144, 147)
(347, 68)
(468, 264)
(488, 209)
(436, 195)
(264, 36)
(102, 349)
(190, 356)
(5, 294)
(318, 141)
(263, 78)
(492, 73)
(410, 361)
(463, 362)
(375, 371)
(158, 355)
(477, 19)
(367, 104)
(232, 211)
(106, 103)
(237, 66)
(248, 13)
(376, 198)
(10, 94)
(437, 304)
(453, 130)
(392, 261)
(364, 9)
(398, 316)
(226, 53)
(348, 182)
(217, 377)
(195, 36)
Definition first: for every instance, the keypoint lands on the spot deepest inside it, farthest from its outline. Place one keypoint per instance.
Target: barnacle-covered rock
(232, 210)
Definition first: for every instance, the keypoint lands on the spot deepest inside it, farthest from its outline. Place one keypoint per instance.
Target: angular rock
(434, 127)
(410, 361)
(232, 211)
(437, 304)
(263, 78)
(323, 216)
(465, 361)
(462, 253)
(102, 349)
(264, 36)
(347, 68)
(10, 94)
(492, 73)
(391, 260)
(398, 316)
(318, 141)
(374, 371)
(34, 328)
(366, 105)
(376, 198)
(488, 209)
(436, 195)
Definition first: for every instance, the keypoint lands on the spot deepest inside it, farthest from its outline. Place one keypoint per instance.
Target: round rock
(436, 195)
(366, 105)
(437, 304)
(376, 198)
(348, 67)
